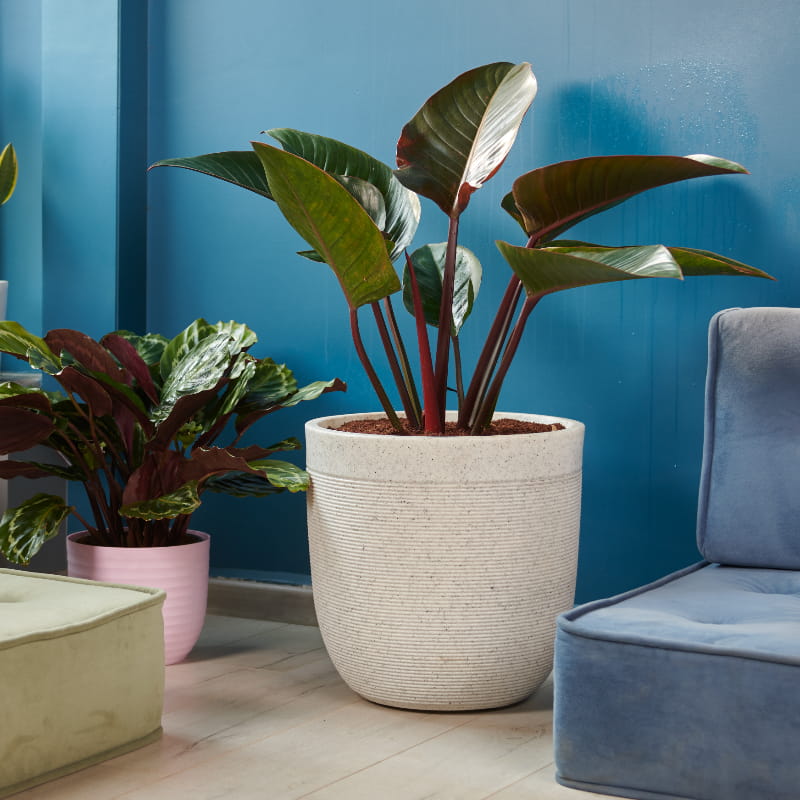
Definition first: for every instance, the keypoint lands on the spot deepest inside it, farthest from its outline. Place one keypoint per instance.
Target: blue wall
(615, 76)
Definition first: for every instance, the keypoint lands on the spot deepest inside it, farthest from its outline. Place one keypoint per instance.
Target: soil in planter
(499, 427)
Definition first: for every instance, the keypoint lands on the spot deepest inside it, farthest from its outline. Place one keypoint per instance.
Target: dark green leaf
(8, 172)
(199, 369)
(463, 133)
(150, 347)
(183, 343)
(333, 223)
(184, 500)
(242, 484)
(546, 270)
(24, 529)
(428, 262)
(339, 159)
(283, 474)
(551, 199)
(240, 167)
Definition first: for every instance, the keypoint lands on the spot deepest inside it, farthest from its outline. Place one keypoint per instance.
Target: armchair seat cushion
(81, 671)
(686, 688)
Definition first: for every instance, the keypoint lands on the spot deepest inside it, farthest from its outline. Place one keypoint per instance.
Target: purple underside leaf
(85, 350)
(130, 359)
(21, 469)
(93, 394)
(21, 429)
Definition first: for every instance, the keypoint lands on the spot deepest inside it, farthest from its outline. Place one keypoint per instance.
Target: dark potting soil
(499, 427)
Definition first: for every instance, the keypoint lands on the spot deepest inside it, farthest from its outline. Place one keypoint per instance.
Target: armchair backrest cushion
(749, 504)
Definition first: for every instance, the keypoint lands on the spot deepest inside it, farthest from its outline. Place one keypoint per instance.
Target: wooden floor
(257, 711)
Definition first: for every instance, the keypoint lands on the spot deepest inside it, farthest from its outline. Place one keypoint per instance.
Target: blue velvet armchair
(690, 687)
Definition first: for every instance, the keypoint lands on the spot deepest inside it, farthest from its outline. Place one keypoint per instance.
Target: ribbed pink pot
(181, 571)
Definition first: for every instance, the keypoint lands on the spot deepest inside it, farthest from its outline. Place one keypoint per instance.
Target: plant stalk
(490, 353)
(484, 416)
(394, 366)
(433, 424)
(405, 364)
(371, 374)
(446, 319)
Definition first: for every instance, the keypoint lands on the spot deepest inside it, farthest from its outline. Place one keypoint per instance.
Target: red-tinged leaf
(549, 200)
(21, 469)
(463, 133)
(85, 350)
(157, 476)
(37, 401)
(93, 393)
(130, 359)
(21, 429)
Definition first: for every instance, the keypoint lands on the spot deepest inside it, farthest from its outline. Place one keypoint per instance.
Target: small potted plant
(137, 422)
(439, 562)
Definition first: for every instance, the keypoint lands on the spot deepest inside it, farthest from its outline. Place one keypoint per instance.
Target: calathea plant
(359, 216)
(137, 422)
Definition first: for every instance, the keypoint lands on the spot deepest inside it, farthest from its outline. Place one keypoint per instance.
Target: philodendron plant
(359, 216)
(137, 423)
(8, 172)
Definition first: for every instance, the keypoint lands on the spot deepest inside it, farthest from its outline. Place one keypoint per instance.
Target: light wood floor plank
(258, 711)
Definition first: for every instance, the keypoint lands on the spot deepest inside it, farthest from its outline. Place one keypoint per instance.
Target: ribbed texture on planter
(181, 571)
(439, 564)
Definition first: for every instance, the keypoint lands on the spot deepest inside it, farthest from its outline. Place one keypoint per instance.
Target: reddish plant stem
(446, 319)
(405, 365)
(484, 415)
(394, 366)
(430, 415)
(371, 374)
(490, 353)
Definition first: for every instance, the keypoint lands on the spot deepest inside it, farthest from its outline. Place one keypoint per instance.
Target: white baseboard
(255, 600)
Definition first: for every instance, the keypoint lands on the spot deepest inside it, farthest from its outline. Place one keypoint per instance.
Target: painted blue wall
(615, 76)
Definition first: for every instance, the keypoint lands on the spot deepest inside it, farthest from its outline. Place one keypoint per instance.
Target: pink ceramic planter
(181, 571)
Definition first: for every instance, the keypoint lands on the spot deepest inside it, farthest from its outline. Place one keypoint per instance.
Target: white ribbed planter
(181, 571)
(439, 564)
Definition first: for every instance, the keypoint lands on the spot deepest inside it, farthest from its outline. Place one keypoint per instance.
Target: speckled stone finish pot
(439, 564)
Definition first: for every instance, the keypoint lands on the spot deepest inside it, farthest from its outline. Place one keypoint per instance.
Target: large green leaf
(336, 158)
(198, 369)
(183, 343)
(240, 167)
(24, 529)
(14, 339)
(269, 384)
(8, 172)
(463, 133)
(324, 213)
(283, 475)
(428, 262)
(551, 199)
(184, 500)
(546, 270)
(692, 262)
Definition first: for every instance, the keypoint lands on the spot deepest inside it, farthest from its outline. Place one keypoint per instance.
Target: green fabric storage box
(81, 674)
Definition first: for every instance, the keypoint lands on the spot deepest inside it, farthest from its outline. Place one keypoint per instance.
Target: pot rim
(326, 424)
(72, 540)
